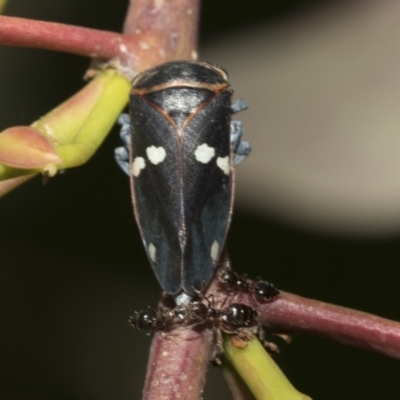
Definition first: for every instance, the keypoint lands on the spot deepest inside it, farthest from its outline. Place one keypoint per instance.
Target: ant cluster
(237, 319)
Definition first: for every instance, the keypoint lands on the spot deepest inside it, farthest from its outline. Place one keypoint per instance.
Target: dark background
(72, 267)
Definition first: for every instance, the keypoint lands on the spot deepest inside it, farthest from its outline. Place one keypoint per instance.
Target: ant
(260, 290)
(236, 319)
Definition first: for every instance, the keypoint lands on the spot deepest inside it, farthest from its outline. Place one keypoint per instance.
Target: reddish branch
(178, 364)
(59, 37)
(154, 32)
(295, 314)
(171, 26)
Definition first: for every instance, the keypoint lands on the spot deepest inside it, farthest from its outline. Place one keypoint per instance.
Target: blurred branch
(154, 32)
(87, 42)
(3, 3)
(10, 184)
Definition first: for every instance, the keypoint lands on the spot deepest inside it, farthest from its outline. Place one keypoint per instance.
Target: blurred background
(317, 211)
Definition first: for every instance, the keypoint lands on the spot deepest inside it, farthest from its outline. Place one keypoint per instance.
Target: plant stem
(165, 31)
(154, 32)
(87, 42)
(295, 314)
(177, 365)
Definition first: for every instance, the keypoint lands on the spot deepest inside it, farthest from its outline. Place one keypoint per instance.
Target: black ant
(259, 290)
(155, 320)
(236, 319)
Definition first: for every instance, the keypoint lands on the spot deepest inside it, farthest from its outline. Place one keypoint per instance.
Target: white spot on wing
(204, 153)
(152, 252)
(156, 154)
(137, 165)
(224, 164)
(214, 250)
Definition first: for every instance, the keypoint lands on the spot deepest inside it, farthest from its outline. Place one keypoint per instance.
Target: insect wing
(207, 189)
(155, 185)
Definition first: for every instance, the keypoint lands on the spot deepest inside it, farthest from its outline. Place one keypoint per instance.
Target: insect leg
(238, 105)
(121, 154)
(242, 151)
(236, 133)
(240, 148)
(219, 347)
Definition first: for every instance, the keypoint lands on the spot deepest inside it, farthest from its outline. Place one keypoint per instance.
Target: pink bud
(26, 148)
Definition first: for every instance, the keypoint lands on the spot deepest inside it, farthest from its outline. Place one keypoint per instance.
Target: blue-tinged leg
(125, 133)
(242, 151)
(236, 134)
(121, 154)
(238, 105)
(240, 148)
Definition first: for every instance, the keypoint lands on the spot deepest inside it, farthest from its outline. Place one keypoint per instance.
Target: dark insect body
(264, 291)
(237, 319)
(238, 316)
(233, 282)
(182, 147)
(152, 320)
(230, 320)
(259, 290)
(146, 321)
